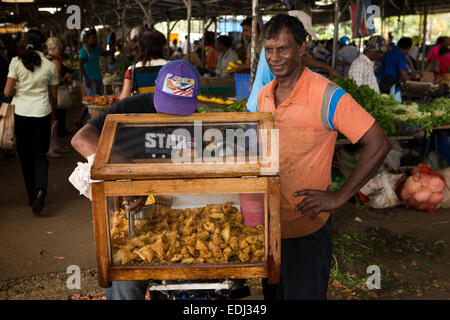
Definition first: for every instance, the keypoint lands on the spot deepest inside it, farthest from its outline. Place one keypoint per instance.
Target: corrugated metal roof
(111, 11)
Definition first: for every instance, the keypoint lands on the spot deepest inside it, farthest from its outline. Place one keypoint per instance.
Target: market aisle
(62, 236)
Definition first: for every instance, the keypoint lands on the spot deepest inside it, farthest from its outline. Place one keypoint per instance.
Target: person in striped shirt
(362, 69)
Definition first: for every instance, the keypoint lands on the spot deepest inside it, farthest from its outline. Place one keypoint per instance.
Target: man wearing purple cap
(177, 87)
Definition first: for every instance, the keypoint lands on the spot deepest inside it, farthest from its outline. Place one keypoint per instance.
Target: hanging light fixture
(18, 1)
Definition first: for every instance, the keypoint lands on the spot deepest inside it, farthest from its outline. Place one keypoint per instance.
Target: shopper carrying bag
(32, 81)
(7, 126)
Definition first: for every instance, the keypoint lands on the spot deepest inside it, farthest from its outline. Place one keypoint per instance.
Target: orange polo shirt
(306, 147)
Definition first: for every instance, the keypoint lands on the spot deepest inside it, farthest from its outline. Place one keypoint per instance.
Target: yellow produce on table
(214, 100)
(232, 65)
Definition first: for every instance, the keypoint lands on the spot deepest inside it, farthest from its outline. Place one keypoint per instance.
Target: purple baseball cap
(177, 87)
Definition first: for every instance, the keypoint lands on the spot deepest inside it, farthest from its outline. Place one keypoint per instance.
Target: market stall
(221, 200)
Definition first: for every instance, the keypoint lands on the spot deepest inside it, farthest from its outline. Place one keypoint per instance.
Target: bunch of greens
(387, 111)
(380, 107)
(238, 106)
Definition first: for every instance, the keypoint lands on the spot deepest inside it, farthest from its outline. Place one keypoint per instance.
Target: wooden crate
(162, 177)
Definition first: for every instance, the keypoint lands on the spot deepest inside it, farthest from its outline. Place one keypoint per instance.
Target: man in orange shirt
(309, 110)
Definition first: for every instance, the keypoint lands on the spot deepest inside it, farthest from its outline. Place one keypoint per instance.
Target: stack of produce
(228, 105)
(217, 100)
(101, 100)
(232, 65)
(111, 77)
(423, 190)
(387, 111)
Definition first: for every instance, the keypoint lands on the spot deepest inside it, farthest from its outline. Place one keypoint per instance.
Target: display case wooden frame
(142, 179)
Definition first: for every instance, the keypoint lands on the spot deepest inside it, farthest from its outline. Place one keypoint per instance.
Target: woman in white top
(140, 77)
(35, 77)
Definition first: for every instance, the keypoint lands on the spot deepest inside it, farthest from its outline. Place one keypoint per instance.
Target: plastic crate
(443, 145)
(242, 81)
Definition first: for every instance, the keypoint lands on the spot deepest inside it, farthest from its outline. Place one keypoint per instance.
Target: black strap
(133, 81)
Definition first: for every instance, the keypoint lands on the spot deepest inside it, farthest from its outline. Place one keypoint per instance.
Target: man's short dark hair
(440, 40)
(90, 32)
(225, 40)
(280, 21)
(404, 43)
(248, 22)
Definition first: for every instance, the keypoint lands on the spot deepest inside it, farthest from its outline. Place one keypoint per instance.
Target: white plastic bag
(380, 190)
(446, 174)
(81, 177)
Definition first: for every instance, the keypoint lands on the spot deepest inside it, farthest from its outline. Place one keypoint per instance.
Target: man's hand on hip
(318, 201)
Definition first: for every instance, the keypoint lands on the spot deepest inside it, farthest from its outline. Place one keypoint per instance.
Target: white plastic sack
(81, 177)
(446, 174)
(380, 190)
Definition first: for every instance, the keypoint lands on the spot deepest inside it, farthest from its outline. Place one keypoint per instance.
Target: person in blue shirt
(89, 62)
(394, 67)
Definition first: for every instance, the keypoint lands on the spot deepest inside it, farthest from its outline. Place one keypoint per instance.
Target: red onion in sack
(436, 184)
(422, 195)
(423, 190)
(436, 198)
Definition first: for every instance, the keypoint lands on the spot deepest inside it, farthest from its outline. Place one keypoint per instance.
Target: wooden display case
(212, 156)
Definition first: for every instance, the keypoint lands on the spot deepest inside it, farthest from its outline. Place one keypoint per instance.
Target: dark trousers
(60, 115)
(32, 142)
(305, 267)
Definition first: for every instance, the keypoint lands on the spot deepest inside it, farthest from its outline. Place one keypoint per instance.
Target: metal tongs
(146, 212)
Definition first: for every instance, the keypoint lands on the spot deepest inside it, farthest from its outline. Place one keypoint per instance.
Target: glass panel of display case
(188, 229)
(198, 142)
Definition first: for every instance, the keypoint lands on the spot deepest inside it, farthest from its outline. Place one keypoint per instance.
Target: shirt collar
(299, 94)
(367, 60)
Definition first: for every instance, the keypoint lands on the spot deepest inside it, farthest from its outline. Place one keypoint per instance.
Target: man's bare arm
(85, 141)
(316, 64)
(375, 147)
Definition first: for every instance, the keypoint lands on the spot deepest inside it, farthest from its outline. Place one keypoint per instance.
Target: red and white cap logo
(178, 86)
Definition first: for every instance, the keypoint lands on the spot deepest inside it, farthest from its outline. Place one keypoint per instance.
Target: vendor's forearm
(375, 147)
(85, 141)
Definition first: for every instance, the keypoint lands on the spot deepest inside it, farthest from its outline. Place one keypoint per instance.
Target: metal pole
(189, 15)
(382, 17)
(422, 69)
(203, 43)
(168, 38)
(147, 17)
(253, 41)
(336, 33)
(215, 32)
(124, 39)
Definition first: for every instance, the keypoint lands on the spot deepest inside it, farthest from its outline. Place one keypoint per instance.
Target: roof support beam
(253, 40)
(424, 37)
(336, 33)
(188, 4)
